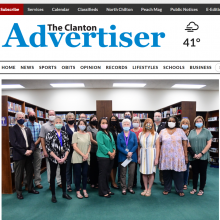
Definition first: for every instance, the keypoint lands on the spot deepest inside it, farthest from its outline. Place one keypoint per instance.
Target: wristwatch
(202, 153)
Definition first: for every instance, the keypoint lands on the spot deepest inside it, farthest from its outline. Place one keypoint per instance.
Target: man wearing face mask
(82, 116)
(127, 116)
(49, 126)
(23, 147)
(158, 126)
(35, 130)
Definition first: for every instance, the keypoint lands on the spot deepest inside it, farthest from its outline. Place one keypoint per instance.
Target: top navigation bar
(109, 9)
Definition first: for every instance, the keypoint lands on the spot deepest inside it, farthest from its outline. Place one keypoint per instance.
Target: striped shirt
(35, 130)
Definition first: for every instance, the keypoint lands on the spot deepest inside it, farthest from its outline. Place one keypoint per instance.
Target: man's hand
(28, 152)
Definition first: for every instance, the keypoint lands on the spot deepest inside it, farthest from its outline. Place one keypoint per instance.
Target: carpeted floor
(158, 206)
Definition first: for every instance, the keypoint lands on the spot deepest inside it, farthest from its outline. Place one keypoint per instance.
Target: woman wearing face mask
(81, 157)
(147, 150)
(105, 154)
(173, 155)
(57, 146)
(94, 168)
(137, 130)
(127, 145)
(115, 129)
(69, 128)
(185, 125)
(200, 140)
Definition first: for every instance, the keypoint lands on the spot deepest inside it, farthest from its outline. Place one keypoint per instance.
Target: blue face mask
(127, 116)
(82, 127)
(185, 127)
(126, 128)
(199, 125)
(20, 121)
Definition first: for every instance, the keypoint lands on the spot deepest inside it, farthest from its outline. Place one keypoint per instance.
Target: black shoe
(117, 187)
(162, 183)
(123, 193)
(111, 193)
(54, 200)
(131, 191)
(108, 196)
(66, 196)
(33, 191)
(20, 196)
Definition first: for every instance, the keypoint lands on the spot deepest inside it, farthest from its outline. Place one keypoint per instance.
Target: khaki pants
(131, 171)
(37, 167)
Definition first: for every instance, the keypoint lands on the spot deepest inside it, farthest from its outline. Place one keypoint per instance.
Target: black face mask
(94, 122)
(32, 118)
(71, 122)
(113, 123)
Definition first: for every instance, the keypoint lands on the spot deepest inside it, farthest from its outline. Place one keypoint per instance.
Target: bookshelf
(212, 123)
(9, 109)
(186, 109)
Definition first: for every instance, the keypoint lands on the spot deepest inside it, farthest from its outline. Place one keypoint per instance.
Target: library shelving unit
(8, 178)
(187, 109)
(212, 123)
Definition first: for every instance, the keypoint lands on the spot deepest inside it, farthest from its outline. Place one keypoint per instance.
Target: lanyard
(60, 139)
(126, 139)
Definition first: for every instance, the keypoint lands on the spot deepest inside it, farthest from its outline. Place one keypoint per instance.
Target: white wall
(122, 99)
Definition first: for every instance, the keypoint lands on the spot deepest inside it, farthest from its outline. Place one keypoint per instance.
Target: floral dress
(172, 155)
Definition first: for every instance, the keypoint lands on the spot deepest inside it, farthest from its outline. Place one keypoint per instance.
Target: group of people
(76, 152)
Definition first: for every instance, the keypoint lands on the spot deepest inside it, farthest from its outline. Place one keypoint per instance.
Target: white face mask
(51, 118)
(135, 125)
(171, 124)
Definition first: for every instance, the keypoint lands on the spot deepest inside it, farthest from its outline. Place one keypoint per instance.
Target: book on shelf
(119, 115)
(213, 119)
(63, 116)
(12, 167)
(47, 115)
(11, 121)
(41, 122)
(165, 114)
(28, 109)
(141, 115)
(214, 150)
(40, 114)
(213, 129)
(214, 139)
(14, 107)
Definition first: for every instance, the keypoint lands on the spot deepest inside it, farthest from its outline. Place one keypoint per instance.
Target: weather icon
(192, 26)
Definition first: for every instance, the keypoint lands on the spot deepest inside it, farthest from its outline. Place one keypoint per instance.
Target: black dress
(115, 135)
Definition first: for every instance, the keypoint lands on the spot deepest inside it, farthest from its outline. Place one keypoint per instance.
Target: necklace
(171, 131)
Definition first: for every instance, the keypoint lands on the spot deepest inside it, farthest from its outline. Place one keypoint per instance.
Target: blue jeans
(186, 175)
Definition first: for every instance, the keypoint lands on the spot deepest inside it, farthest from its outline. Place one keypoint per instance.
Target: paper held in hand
(126, 162)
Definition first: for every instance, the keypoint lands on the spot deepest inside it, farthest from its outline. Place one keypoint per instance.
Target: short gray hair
(19, 113)
(70, 114)
(157, 112)
(58, 117)
(126, 120)
(136, 119)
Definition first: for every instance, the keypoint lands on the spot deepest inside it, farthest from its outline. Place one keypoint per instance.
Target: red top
(137, 134)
